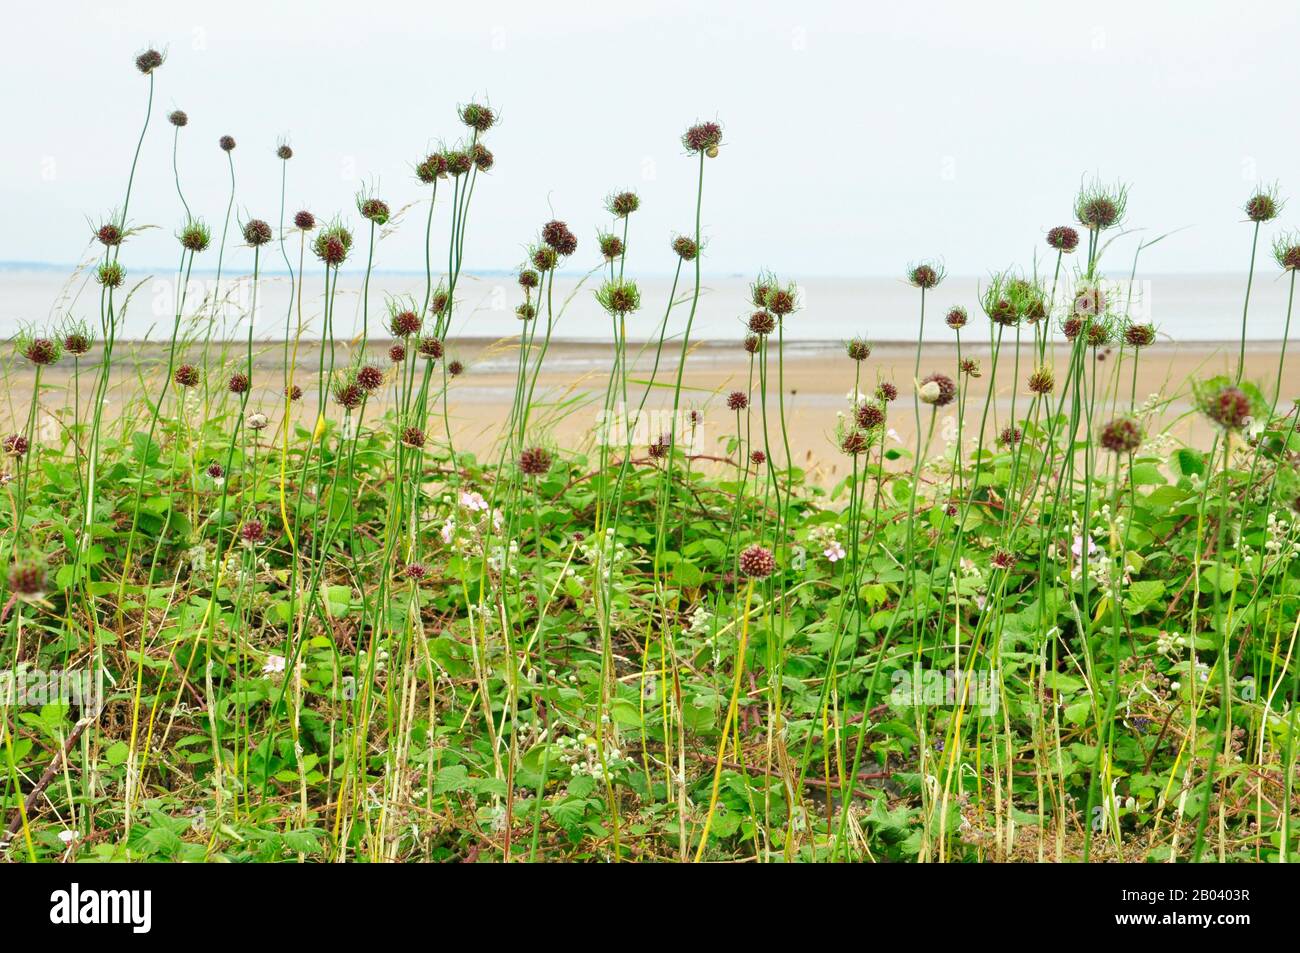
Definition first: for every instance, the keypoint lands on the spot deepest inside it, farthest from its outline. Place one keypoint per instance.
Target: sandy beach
(818, 379)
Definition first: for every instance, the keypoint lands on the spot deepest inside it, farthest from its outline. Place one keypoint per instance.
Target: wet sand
(570, 391)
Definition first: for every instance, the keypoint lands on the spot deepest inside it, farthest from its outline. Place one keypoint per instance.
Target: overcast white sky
(857, 137)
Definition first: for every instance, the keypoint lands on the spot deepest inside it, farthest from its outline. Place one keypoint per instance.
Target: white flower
(67, 836)
(256, 421)
(448, 531)
(834, 552)
(274, 665)
(855, 397)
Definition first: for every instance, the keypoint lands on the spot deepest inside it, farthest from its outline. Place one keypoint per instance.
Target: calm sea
(1201, 307)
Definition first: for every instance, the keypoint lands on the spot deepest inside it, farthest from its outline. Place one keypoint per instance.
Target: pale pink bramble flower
(834, 552)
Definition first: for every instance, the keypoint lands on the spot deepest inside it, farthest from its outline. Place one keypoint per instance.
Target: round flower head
(187, 375)
(886, 392)
(195, 236)
(14, 445)
(1063, 238)
(227, 143)
(762, 322)
(477, 116)
(1002, 559)
(858, 350)
(397, 353)
(1122, 435)
(544, 258)
(556, 234)
(1139, 335)
(482, 157)
(373, 209)
(925, 275)
(284, 151)
(148, 61)
(869, 415)
(1264, 205)
(415, 572)
(257, 421)
(969, 366)
(528, 279)
(238, 383)
(942, 394)
(293, 392)
(1010, 436)
(997, 302)
(305, 220)
(1286, 251)
(76, 343)
(1227, 405)
(622, 204)
(332, 245)
(439, 301)
(753, 343)
(1071, 327)
(178, 118)
(703, 137)
(257, 232)
(41, 351)
(619, 297)
(109, 235)
(782, 301)
(854, 442)
(370, 378)
(110, 274)
(458, 162)
(253, 532)
(348, 395)
(1041, 381)
(737, 400)
(1099, 333)
(27, 581)
(430, 347)
(687, 249)
(216, 471)
(956, 318)
(455, 368)
(611, 246)
(535, 461)
(757, 457)
(413, 437)
(659, 449)
(1099, 206)
(404, 323)
(525, 311)
(431, 168)
(757, 562)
